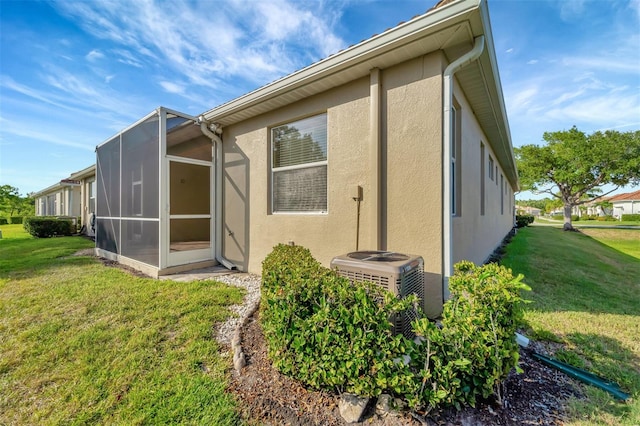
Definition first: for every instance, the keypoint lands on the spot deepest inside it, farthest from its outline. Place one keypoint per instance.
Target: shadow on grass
(20, 258)
(609, 359)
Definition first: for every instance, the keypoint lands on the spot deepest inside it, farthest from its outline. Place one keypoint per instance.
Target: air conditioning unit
(401, 274)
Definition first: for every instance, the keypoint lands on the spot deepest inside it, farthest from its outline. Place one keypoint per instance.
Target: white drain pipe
(447, 234)
(214, 133)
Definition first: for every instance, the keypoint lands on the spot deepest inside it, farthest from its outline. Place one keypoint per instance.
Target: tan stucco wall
(250, 229)
(475, 236)
(413, 103)
(411, 171)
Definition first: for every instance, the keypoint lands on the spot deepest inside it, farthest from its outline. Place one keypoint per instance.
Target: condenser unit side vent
(362, 276)
(398, 273)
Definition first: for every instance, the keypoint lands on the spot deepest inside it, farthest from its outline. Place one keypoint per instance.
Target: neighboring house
(533, 211)
(596, 207)
(87, 179)
(398, 143)
(71, 197)
(628, 203)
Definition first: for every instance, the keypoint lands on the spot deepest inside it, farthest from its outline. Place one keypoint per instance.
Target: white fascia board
(418, 27)
(502, 112)
(86, 172)
(51, 189)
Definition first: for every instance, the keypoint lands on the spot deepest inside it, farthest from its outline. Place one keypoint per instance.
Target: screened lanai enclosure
(154, 197)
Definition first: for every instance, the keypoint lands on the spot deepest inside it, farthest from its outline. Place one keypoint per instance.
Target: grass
(586, 295)
(85, 343)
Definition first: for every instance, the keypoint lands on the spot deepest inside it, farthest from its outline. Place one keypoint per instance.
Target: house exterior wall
(86, 206)
(250, 229)
(476, 235)
(626, 207)
(410, 113)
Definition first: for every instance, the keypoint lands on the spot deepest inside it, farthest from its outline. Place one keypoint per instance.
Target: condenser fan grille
(378, 256)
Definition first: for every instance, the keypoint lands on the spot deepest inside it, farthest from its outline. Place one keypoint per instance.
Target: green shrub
(327, 333)
(606, 219)
(333, 335)
(473, 351)
(523, 220)
(557, 217)
(4, 221)
(16, 220)
(631, 217)
(44, 227)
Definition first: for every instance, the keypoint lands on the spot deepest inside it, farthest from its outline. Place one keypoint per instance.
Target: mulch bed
(266, 397)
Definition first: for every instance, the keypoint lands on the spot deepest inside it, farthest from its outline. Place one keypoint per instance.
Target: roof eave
(417, 27)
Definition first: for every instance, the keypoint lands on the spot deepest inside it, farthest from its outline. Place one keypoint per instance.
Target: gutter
(447, 220)
(213, 132)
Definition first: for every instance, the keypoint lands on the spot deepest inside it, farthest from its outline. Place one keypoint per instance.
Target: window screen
(299, 165)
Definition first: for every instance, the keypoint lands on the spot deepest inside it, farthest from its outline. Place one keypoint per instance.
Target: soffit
(450, 28)
(432, 31)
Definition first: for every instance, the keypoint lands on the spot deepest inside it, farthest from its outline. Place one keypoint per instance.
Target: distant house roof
(72, 180)
(629, 196)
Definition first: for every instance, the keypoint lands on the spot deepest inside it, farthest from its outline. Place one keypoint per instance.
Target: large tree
(11, 203)
(574, 166)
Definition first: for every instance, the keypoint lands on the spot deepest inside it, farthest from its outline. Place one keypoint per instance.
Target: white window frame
(274, 170)
(491, 167)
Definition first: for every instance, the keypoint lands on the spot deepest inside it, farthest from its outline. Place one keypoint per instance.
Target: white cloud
(29, 131)
(532, 62)
(94, 55)
(207, 42)
(570, 8)
(172, 87)
(510, 50)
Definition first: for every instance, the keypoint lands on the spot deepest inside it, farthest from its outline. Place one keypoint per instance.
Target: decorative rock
(388, 405)
(352, 407)
(383, 406)
(239, 361)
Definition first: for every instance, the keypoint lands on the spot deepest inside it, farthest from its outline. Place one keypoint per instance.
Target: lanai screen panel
(108, 195)
(140, 191)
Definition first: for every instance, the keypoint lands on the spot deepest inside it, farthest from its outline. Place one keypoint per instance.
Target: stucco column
(375, 158)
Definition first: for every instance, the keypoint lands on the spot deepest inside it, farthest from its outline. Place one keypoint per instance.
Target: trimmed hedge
(523, 220)
(15, 220)
(606, 219)
(631, 217)
(334, 335)
(4, 221)
(45, 227)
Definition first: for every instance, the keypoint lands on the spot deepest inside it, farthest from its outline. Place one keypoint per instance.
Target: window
(491, 168)
(501, 194)
(482, 179)
(299, 166)
(92, 197)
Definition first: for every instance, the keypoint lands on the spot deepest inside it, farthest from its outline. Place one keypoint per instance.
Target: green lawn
(578, 223)
(586, 295)
(84, 343)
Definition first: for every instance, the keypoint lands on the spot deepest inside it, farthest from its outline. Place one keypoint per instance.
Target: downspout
(214, 133)
(447, 234)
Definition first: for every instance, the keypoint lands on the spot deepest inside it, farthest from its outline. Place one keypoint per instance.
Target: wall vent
(401, 274)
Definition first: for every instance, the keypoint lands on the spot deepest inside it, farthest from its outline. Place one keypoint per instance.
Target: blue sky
(73, 73)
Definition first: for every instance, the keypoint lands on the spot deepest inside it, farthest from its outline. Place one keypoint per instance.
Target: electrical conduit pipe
(214, 135)
(447, 232)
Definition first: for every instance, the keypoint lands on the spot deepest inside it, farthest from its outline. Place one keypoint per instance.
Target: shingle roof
(629, 196)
